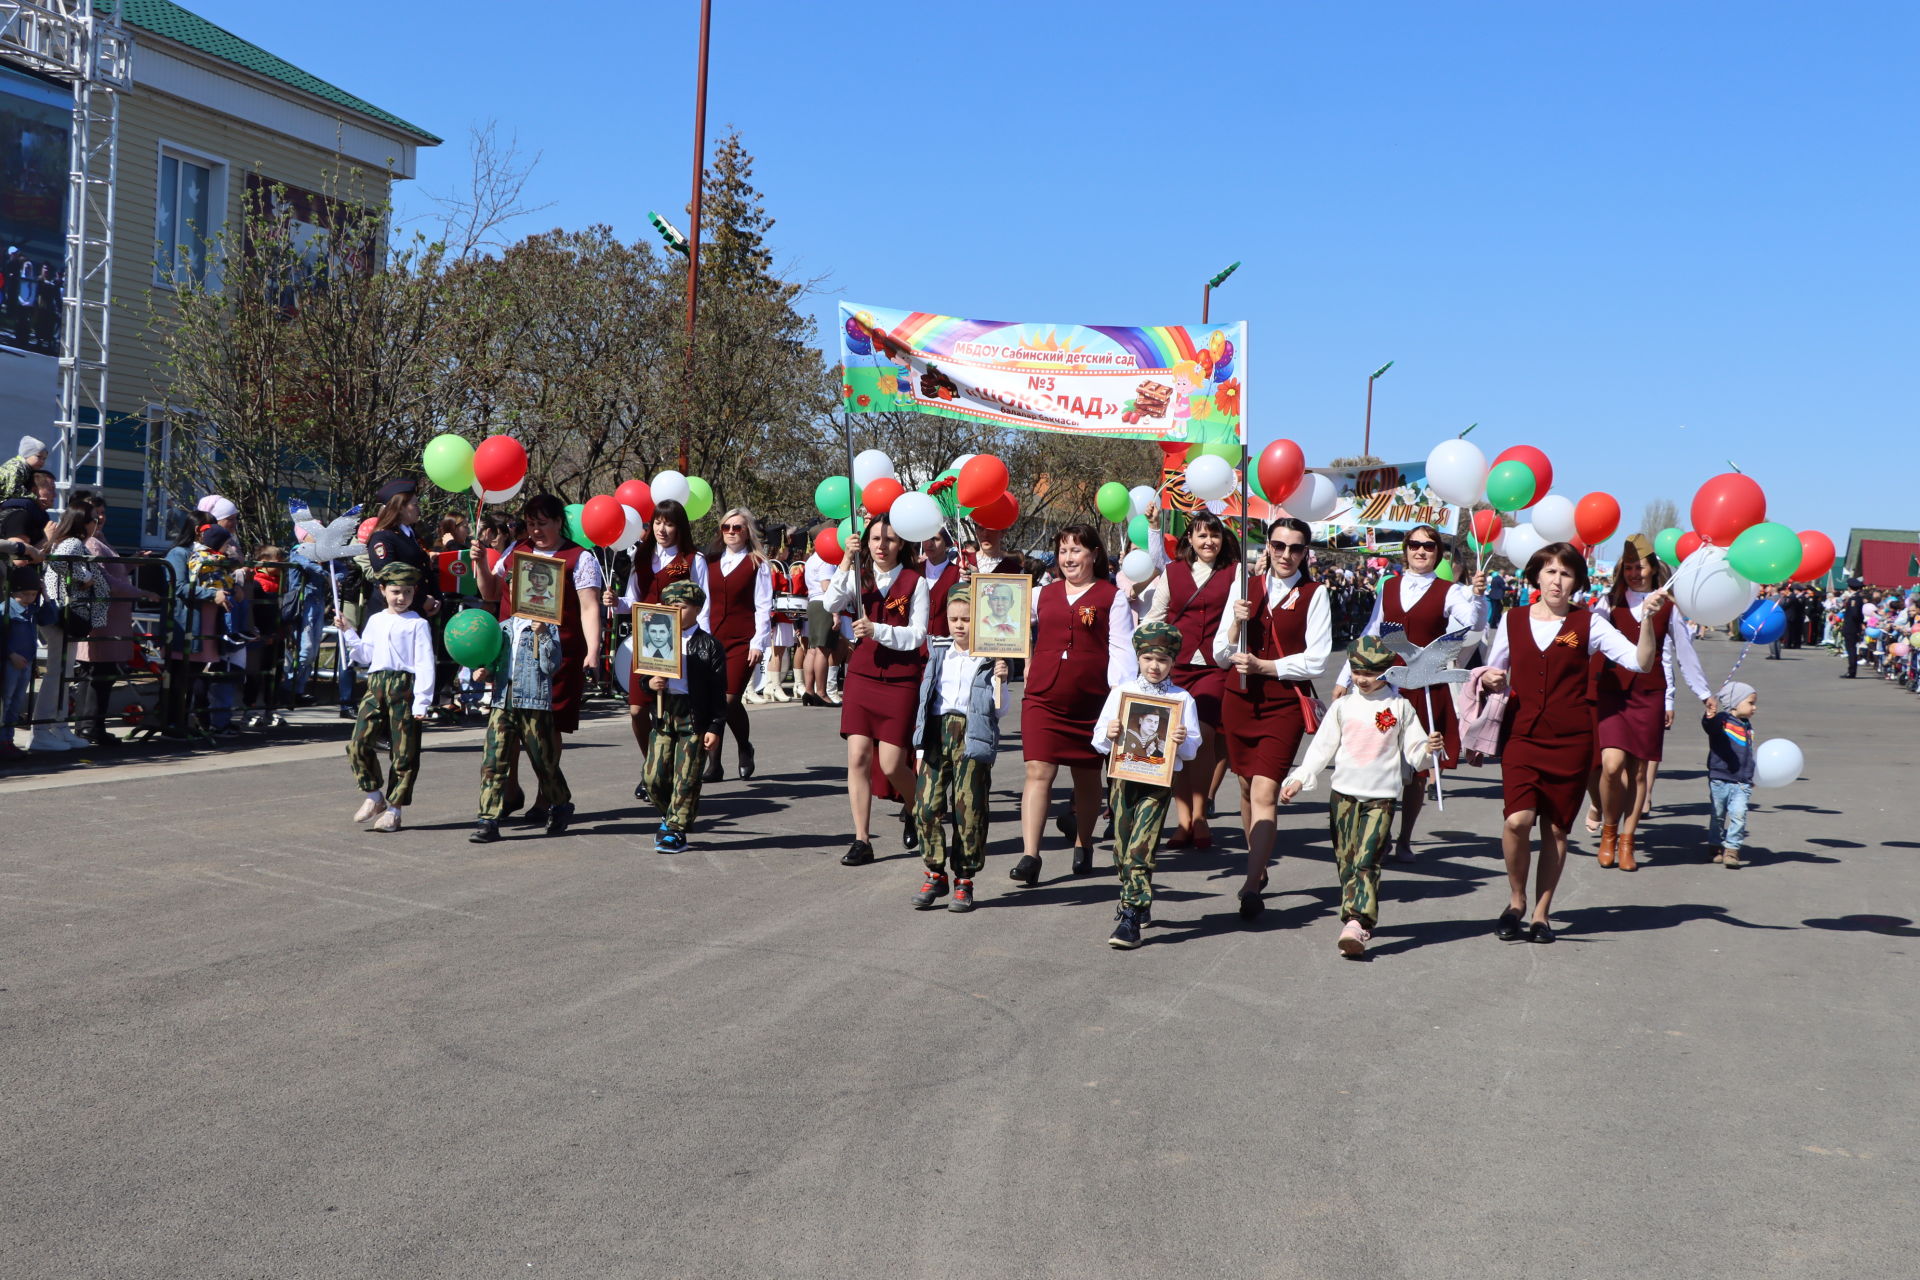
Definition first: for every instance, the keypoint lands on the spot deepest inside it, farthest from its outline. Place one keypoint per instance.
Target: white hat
(217, 507)
(30, 446)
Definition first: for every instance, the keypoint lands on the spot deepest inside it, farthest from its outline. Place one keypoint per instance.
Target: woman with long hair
(1192, 595)
(1082, 647)
(740, 605)
(1634, 709)
(1287, 621)
(1543, 653)
(78, 589)
(395, 538)
(889, 603)
(1417, 602)
(666, 555)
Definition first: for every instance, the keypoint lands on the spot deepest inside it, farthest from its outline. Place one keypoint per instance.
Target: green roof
(164, 18)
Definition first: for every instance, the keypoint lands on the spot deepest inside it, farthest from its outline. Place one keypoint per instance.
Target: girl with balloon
(882, 695)
(665, 556)
(740, 606)
(1543, 653)
(1288, 623)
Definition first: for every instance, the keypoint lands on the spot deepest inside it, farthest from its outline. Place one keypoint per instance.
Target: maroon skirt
(1444, 719)
(1547, 775)
(569, 682)
(1208, 685)
(1631, 720)
(1263, 725)
(879, 709)
(1057, 727)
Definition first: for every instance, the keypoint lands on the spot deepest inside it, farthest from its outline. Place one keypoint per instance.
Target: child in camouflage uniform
(1139, 808)
(398, 653)
(958, 733)
(688, 714)
(522, 716)
(1372, 738)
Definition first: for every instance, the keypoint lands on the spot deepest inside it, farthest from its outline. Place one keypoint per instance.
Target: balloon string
(1773, 603)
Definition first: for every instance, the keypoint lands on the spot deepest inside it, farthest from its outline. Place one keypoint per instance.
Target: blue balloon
(1764, 622)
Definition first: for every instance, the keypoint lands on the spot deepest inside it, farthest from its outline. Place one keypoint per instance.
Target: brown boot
(1625, 849)
(1609, 835)
(1731, 859)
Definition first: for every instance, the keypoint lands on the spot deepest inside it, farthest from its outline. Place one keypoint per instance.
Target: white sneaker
(73, 740)
(369, 809)
(44, 739)
(1353, 939)
(388, 821)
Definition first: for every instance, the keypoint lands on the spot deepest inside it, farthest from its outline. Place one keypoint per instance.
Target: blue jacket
(185, 612)
(17, 622)
(523, 673)
(983, 721)
(1729, 747)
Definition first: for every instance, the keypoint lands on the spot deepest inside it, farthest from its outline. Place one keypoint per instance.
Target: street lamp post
(1206, 294)
(1367, 447)
(693, 236)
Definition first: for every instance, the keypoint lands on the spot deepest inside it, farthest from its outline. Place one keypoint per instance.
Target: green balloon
(833, 496)
(1114, 501)
(473, 638)
(699, 497)
(1666, 545)
(846, 534)
(1224, 449)
(1766, 553)
(449, 463)
(575, 533)
(1510, 486)
(1138, 532)
(1445, 571)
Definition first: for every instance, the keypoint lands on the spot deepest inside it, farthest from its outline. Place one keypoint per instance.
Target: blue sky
(1647, 238)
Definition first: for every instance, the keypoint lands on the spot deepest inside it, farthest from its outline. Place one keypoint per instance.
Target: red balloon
(982, 480)
(878, 496)
(603, 520)
(1816, 556)
(998, 514)
(1534, 461)
(1282, 467)
(1596, 516)
(826, 545)
(500, 462)
(1486, 526)
(1175, 450)
(1688, 544)
(1172, 545)
(636, 494)
(1727, 506)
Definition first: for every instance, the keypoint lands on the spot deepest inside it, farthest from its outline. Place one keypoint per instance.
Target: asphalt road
(239, 1037)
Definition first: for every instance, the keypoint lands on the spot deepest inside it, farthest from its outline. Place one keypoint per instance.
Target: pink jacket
(1480, 719)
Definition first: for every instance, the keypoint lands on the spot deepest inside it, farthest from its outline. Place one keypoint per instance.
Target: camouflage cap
(1157, 637)
(398, 574)
(683, 592)
(962, 594)
(1369, 654)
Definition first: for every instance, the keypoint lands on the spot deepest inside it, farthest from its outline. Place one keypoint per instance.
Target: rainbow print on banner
(1165, 383)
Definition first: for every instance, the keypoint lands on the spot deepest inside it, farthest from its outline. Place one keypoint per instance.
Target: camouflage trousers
(675, 759)
(1362, 829)
(509, 729)
(952, 784)
(1139, 809)
(386, 705)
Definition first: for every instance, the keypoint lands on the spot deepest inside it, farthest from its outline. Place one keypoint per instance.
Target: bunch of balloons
(976, 485)
(495, 472)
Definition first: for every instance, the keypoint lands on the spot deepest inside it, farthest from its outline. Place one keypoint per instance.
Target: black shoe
(1541, 932)
(962, 896)
(813, 700)
(536, 816)
(746, 763)
(858, 854)
(713, 771)
(346, 713)
(1082, 860)
(932, 889)
(557, 819)
(1126, 934)
(516, 801)
(640, 791)
(486, 833)
(909, 834)
(1508, 927)
(1027, 870)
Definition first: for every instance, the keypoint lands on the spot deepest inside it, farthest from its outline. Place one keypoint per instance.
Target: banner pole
(1244, 526)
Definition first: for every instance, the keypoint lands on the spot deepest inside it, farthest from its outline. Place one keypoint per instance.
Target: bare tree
(470, 220)
(1661, 513)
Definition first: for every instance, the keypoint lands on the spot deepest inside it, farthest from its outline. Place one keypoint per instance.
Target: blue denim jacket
(523, 674)
(983, 721)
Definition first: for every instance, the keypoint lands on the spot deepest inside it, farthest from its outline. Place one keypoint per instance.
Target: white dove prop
(328, 542)
(1426, 666)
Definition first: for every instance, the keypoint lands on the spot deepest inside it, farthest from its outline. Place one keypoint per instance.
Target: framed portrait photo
(1002, 615)
(539, 586)
(656, 642)
(1145, 752)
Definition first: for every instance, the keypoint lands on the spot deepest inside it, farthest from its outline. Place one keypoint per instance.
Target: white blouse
(398, 642)
(1309, 662)
(1602, 637)
(662, 557)
(843, 594)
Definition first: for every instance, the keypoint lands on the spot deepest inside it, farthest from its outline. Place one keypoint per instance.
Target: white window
(171, 479)
(189, 211)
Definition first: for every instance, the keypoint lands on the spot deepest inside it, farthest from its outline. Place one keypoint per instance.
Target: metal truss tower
(83, 43)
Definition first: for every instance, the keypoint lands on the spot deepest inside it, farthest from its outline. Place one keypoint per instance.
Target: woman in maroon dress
(740, 606)
(1543, 653)
(664, 556)
(882, 694)
(1288, 624)
(1082, 647)
(1192, 595)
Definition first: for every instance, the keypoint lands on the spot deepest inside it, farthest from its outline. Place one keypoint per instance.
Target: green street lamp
(1206, 295)
(1367, 447)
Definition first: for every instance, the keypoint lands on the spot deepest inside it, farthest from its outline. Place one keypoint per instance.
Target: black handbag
(77, 621)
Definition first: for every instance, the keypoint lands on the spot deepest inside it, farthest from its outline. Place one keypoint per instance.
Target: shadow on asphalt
(1890, 926)
(1635, 918)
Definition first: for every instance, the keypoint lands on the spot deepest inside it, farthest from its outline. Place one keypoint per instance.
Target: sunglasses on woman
(733, 528)
(1288, 548)
(1423, 545)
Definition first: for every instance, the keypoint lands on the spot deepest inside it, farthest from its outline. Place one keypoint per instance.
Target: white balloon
(915, 516)
(1138, 566)
(630, 536)
(1708, 591)
(671, 485)
(869, 465)
(623, 663)
(494, 497)
(1776, 762)
(1140, 497)
(1520, 542)
(1209, 477)
(961, 461)
(1314, 500)
(1218, 506)
(1553, 519)
(1457, 472)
